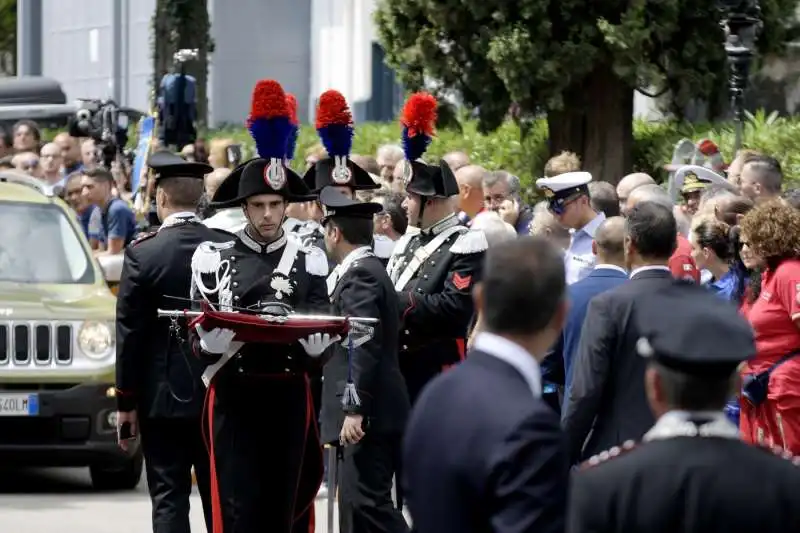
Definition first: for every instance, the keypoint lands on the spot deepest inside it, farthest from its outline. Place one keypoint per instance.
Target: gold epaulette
(607, 455)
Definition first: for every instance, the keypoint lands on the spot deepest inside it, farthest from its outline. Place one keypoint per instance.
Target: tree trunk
(597, 124)
(179, 24)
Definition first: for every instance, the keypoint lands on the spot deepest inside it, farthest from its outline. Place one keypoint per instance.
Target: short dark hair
(603, 198)
(768, 170)
(393, 206)
(99, 174)
(183, 192)
(652, 230)
(694, 393)
(356, 231)
(31, 125)
(523, 284)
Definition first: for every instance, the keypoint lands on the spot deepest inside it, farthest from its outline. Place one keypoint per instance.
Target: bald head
(471, 175)
(630, 182)
(649, 193)
(609, 242)
(214, 180)
(456, 160)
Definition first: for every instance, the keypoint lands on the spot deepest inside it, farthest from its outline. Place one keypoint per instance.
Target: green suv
(57, 346)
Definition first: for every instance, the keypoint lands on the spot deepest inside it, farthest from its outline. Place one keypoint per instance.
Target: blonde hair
(561, 164)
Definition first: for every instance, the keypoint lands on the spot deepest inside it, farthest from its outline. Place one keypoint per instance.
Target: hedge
(504, 149)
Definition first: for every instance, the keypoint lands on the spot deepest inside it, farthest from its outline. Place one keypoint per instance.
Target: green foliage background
(505, 149)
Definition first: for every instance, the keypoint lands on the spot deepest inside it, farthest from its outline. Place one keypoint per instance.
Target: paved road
(62, 501)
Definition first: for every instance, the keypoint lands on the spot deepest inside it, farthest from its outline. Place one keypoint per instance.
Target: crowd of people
(634, 318)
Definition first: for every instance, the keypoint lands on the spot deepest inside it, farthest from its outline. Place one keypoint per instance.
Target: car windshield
(38, 244)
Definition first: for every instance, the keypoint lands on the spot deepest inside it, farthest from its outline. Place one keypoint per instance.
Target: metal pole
(29, 38)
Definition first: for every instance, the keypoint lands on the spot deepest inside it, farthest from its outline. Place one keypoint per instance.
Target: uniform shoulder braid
(143, 237)
(316, 260)
(780, 452)
(472, 241)
(607, 455)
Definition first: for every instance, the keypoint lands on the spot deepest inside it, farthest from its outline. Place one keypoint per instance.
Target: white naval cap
(689, 178)
(564, 185)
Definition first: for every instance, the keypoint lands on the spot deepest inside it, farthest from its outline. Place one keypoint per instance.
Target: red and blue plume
(291, 143)
(335, 124)
(270, 120)
(419, 121)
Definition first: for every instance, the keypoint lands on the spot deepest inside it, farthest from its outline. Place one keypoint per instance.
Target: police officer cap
(691, 330)
(165, 164)
(338, 204)
(564, 185)
(690, 178)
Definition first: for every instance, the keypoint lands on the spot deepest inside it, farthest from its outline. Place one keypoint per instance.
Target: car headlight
(95, 340)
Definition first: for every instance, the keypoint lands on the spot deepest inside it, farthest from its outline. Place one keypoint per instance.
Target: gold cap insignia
(548, 193)
(691, 179)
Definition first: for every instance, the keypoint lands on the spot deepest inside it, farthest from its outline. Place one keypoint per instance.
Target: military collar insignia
(688, 424)
(178, 219)
(447, 222)
(256, 246)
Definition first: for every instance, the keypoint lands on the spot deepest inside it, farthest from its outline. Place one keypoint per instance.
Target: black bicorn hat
(338, 204)
(431, 181)
(165, 164)
(260, 176)
(325, 172)
(689, 329)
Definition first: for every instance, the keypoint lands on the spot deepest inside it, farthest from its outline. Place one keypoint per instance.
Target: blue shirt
(91, 223)
(725, 287)
(118, 222)
(579, 260)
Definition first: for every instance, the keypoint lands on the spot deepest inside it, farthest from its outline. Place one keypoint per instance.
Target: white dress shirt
(514, 355)
(579, 260)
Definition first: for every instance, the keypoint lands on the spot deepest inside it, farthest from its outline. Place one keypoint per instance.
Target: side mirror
(111, 265)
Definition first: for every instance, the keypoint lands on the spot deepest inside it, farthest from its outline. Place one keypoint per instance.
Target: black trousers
(171, 447)
(365, 486)
(267, 457)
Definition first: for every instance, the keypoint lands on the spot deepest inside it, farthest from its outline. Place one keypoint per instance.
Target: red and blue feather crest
(270, 120)
(291, 143)
(335, 124)
(419, 122)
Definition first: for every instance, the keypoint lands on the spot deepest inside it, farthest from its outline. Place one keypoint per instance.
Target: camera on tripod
(101, 121)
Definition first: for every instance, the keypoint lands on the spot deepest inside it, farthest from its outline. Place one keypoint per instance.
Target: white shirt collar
(514, 355)
(692, 424)
(354, 255)
(176, 218)
(648, 267)
(606, 266)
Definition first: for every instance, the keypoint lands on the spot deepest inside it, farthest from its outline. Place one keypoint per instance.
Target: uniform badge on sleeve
(461, 282)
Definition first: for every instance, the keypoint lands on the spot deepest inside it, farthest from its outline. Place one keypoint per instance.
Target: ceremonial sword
(173, 313)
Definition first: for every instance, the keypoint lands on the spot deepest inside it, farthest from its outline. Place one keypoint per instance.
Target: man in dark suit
(609, 272)
(607, 397)
(364, 399)
(692, 473)
(159, 391)
(482, 451)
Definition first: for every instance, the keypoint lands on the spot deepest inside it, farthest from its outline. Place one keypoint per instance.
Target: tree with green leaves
(578, 61)
(8, 37)
(180, 24)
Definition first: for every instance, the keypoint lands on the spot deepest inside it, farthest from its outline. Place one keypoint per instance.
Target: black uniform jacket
(687, 484)
(607, 397)
(252, 270)
(436, 304)
(365, 290)
(156, 372)
(482, 454)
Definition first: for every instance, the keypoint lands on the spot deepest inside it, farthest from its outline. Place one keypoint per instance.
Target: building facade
(102, 49)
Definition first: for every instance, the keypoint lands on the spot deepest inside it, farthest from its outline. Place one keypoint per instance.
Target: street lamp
(741, 20)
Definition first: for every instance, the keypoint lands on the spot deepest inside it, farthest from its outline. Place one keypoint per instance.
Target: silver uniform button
(235, 283)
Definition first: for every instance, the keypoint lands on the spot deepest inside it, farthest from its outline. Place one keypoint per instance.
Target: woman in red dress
(770, 234)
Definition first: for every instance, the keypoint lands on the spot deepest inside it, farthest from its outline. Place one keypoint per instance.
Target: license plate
(19, 405)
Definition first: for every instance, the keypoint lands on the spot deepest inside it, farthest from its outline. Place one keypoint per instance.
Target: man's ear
(477, 298)
(594, 247)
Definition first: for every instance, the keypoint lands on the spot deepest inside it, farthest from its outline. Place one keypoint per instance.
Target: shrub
(654, 143)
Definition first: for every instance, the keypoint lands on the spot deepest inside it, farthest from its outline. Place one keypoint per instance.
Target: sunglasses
(557, 206)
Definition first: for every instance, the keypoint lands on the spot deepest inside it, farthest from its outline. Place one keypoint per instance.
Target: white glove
(216, 341)
(318, 343)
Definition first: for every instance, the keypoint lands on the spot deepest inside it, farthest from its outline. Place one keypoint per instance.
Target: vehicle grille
(35, 343)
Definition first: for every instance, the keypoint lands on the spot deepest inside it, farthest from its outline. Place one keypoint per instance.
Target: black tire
(125, 476)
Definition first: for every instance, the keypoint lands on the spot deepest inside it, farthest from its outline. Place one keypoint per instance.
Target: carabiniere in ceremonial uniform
(433, 270)
(265, 451)
(158, 379)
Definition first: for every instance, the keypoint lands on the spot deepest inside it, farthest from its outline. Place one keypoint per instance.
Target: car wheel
(118, 477)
